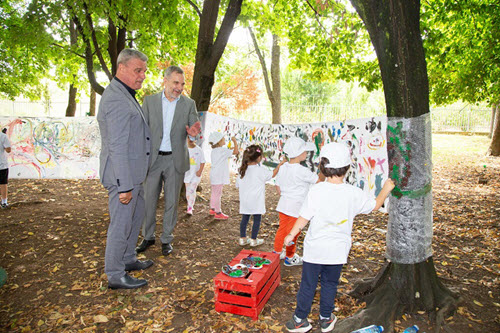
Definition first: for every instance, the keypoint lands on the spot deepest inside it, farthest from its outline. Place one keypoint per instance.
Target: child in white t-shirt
(251, 182)
(330, 207)
(293, 182)
(193, 176)
(219, 171)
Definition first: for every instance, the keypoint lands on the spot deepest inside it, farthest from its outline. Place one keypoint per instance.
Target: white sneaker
(296, 260)
(282, 254)
(256, 242)
(243, 241)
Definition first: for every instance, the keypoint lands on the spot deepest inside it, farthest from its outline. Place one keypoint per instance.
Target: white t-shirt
(294, 181)
(330, 209)
(196, 157)
(4, 143)
(219, 171)
(253, 189)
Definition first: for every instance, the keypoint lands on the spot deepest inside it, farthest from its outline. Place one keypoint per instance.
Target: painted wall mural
(53, 147)
(366, 138)
(69, 147)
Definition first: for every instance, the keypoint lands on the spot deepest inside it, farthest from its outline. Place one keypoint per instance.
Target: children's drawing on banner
(365, 137)
(65, 148)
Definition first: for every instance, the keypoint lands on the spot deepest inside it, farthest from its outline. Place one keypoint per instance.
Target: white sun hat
(338, 155)
(215, 137)
(295, 146)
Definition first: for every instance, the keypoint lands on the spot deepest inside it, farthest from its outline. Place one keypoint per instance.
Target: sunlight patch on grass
(452, 148)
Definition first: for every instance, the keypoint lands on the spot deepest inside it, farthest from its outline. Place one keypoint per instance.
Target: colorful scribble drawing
(366, 139)
(65, 148)
(69, 147)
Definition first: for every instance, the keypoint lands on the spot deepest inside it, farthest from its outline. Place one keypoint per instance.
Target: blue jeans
(330, 275)
(255, 228)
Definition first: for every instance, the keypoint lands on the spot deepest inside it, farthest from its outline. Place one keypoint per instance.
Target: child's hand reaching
(288, 240)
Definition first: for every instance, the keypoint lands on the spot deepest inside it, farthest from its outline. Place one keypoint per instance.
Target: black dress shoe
(166, 249)
(139, 265)
(127, 282)
(144, 245)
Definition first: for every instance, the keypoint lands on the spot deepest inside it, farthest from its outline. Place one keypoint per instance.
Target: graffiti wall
(53, 147)
(365, 137)
(69, 147)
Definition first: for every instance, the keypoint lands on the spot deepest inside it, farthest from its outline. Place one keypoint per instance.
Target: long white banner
(69, 148)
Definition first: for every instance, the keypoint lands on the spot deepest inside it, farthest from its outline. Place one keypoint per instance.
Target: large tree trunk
(409, 282)
(208, 51)
(71, 108)
(273, 85)
(494, 149)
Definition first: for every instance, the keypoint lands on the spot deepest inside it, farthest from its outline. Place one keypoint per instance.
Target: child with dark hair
(251, 182)
(330, 207)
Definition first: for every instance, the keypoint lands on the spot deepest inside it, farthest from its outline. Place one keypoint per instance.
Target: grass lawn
(453, 148)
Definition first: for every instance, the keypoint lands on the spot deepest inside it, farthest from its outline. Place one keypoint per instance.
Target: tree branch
(68, 50)
(316, 14)
(262, 64)
(195, 7)
(96, 44)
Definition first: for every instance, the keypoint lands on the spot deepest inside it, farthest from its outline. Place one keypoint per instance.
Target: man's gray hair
(172, 69)
(128, 54)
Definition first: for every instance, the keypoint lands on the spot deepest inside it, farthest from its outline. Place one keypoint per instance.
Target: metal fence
(469, 119)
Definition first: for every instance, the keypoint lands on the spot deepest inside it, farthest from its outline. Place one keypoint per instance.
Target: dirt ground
(53, 239)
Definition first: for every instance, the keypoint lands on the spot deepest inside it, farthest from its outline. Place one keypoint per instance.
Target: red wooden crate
(247, 295)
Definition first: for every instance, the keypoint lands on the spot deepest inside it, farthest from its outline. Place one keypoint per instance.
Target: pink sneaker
(211, 211)
(221, 216)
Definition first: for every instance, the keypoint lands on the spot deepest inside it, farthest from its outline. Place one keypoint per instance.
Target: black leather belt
(164, 153)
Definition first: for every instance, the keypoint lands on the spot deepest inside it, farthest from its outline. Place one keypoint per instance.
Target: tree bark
(92, 102)
(494, 149)
(71, 108)
(409, 283)
(208, 51)
(273, 86)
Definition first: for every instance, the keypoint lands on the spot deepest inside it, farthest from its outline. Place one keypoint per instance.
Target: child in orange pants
(293, 181)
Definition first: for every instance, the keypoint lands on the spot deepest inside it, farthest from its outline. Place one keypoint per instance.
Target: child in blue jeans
(330, 207)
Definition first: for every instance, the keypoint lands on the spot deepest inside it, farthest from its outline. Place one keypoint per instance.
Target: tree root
(399, 289)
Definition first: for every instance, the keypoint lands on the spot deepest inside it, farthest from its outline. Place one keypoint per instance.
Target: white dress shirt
(168, 110)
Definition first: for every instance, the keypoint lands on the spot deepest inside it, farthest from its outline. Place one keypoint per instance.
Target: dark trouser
(123, 230)
(330, 275)
(255, 228)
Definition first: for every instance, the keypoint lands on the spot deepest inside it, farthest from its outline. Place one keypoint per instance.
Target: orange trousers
(286, 225)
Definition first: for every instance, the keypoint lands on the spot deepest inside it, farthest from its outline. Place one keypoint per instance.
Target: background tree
(210, 47)
(462, 48)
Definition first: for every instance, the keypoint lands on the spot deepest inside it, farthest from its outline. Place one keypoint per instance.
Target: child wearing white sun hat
(330, 207)
(293, 182)
(219, 171)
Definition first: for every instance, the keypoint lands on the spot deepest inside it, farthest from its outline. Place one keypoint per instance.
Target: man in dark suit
(124, 161)
(171, 117)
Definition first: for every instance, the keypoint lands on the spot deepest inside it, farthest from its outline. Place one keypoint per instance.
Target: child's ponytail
(251, 154)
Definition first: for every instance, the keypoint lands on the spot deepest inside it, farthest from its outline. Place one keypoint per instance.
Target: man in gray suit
(171, 117)
(124, 162)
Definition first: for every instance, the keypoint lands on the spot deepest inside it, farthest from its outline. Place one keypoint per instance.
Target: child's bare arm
(275, 171)
(297, 227)
(235, 146)
(278, 189)
(386, 189)
(200, 170)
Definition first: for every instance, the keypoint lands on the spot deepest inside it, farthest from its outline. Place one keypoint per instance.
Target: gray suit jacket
(125, 139)
(185, 114)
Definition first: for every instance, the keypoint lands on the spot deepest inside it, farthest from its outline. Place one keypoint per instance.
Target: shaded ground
(53, 240)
